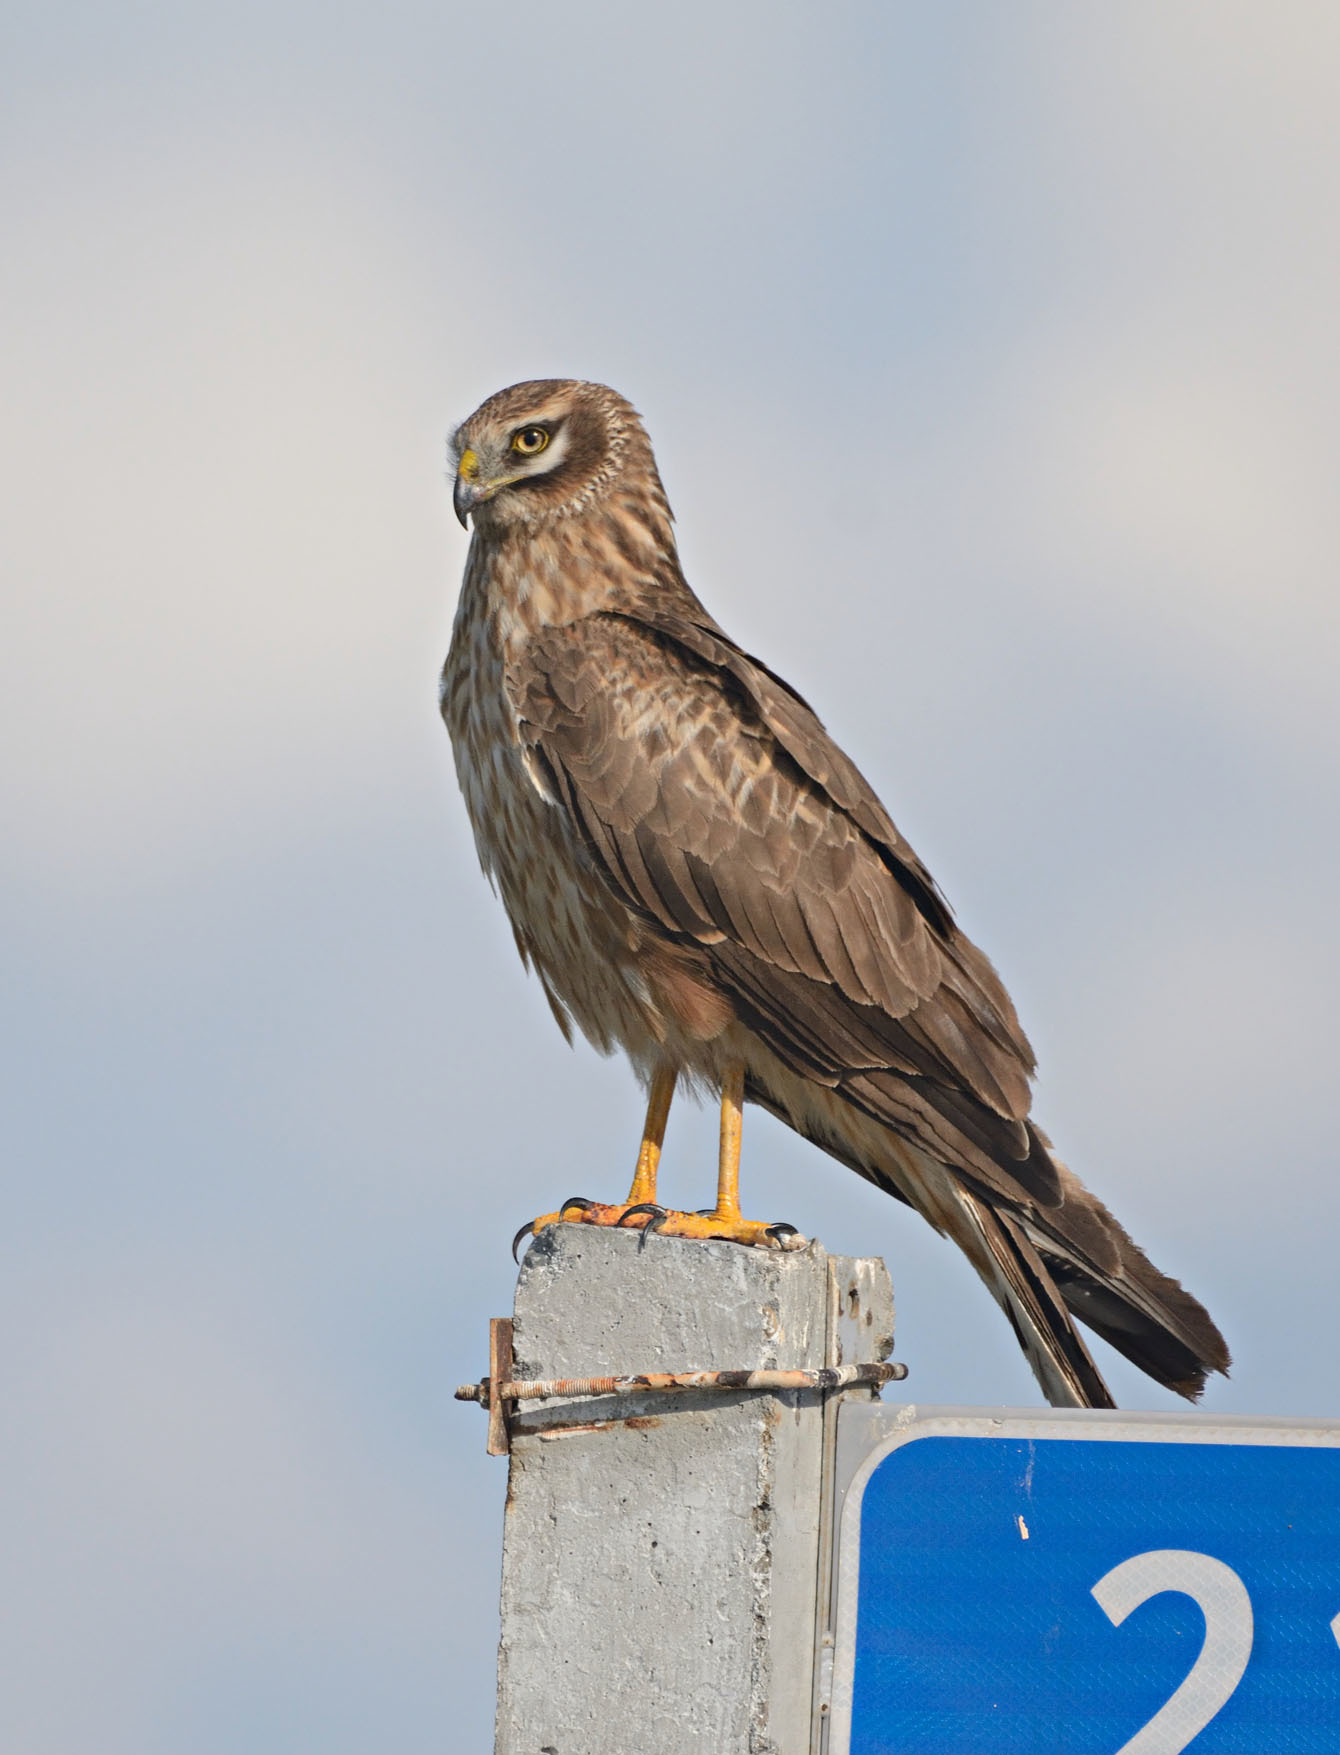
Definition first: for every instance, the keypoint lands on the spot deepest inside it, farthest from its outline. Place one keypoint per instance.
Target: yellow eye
(530, 441)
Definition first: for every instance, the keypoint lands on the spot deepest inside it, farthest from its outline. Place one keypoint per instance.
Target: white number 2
(1223, 1600)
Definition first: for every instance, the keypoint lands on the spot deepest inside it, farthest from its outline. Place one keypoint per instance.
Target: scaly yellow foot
(647, 1216)
(732, 1226)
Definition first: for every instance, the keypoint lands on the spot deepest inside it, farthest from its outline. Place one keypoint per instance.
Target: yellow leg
(732, 1132)
(725, 1221)
(653, 1136)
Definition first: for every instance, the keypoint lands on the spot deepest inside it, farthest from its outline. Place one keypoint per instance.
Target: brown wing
(714, 802)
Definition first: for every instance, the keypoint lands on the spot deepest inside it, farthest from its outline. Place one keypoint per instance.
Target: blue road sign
(1087, 1584)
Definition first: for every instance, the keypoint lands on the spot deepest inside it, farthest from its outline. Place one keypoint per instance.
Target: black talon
(654, 1223)
(528, 1226)
(656, 1215)
(780, 1232)
(576, 1200)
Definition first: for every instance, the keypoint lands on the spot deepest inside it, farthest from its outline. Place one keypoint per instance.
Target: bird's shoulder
(668, 673)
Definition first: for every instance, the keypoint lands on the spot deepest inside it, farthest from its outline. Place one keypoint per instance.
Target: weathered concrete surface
(660, 1558)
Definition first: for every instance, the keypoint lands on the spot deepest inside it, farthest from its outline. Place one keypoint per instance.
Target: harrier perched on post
(699, 876)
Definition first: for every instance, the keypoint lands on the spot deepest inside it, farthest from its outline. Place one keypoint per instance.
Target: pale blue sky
(990, 357)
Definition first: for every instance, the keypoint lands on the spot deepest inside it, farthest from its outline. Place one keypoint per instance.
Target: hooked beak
(465, 496)
(467, 493)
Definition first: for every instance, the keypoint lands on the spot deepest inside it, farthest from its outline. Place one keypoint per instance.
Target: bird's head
(542, 450)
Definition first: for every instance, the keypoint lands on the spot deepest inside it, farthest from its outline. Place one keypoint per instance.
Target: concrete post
(662, 1553)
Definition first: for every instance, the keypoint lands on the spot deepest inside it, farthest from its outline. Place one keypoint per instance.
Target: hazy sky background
(991, 358)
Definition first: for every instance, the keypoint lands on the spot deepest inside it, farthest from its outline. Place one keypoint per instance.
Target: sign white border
(910, 1422)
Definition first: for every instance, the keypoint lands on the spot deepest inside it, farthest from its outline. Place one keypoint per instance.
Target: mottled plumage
(700, 876)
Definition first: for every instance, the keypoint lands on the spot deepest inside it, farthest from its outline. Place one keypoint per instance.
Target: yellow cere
(468, 467)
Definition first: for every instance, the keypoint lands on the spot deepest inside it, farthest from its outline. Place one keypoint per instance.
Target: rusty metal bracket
(496, 1392)
(500, 1372)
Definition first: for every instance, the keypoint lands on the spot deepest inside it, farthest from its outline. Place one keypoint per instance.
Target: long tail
(1108, 1281)
(1017, 1278)
(1047, 1265)
(1044, 1265)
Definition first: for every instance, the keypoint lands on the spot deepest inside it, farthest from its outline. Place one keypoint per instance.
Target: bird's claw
(527, 1227)
(654, 1215)
(578, 1202)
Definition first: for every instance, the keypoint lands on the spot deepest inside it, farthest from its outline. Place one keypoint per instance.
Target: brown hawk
(699, 876)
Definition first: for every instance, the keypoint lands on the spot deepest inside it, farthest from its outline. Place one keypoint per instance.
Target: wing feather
(829, 937)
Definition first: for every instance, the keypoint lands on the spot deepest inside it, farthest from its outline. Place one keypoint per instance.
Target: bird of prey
(698, 875)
